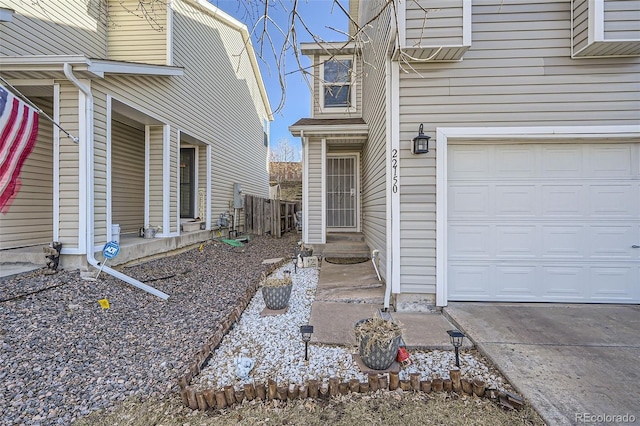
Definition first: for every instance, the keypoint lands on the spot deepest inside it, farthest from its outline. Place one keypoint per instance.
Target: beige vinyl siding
(622, 19)
(314, 191)
(68, 27)
(137, 36)
(440, 25)
(156, 174)
(28, 220)
(580, 24)
(69, 197)
(515, 74)
(127, 177)
(374, 152)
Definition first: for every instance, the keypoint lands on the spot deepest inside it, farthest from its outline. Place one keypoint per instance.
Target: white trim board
(492, 134)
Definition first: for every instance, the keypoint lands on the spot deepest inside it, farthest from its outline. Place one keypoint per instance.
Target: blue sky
(320, 18)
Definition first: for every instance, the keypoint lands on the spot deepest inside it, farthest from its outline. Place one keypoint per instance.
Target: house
(530, 189)
(170, 112)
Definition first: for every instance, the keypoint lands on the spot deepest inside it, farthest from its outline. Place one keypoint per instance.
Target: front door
(342, 190)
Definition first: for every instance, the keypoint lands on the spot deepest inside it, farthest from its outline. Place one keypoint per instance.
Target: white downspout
(68, 72)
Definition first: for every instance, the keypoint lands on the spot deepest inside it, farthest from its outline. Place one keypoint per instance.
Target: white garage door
(544, 222)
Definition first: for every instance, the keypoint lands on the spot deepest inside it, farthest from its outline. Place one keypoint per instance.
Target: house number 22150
(394, 165)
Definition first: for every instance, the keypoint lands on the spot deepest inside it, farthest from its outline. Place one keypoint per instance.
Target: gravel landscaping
(62, 356)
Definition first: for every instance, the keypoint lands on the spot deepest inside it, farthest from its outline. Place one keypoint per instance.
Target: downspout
(68, 72)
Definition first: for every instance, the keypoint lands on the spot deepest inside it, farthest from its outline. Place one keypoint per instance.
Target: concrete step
(335, 237)
(346, 249)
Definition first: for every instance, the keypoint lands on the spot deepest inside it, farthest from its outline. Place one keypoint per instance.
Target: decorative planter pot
(276, 298)
(376, 353)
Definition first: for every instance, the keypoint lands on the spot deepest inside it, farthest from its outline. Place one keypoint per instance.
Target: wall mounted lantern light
(420, 142)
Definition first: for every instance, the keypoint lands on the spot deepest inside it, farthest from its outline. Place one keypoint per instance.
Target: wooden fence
(269, 217)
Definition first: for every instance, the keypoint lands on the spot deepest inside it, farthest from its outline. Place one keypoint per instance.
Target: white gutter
(68, 72)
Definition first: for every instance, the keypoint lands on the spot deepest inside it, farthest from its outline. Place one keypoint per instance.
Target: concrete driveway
(574, 363)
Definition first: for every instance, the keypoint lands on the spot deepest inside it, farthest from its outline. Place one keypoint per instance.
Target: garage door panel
(514, 161)
(471, 241)
(564, 161)
(564, 241)
(611, 242)
(544, 222)
(512, 200)
(563, 200)
(610, 160)
(513, 281)
(613, 200)
(468, 162)
(564, 282)
(610, 283)
(515, 241)
(470, 281)
(469, 200)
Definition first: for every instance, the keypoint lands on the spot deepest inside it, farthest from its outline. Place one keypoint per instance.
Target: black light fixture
(456, 340)
(420, 142)
(307, 331)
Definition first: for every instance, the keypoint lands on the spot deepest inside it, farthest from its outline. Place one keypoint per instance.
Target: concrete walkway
(570, 361)
(349, 293)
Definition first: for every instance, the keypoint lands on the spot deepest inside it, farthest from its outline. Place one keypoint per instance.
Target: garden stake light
(306, 331)
(456, 340)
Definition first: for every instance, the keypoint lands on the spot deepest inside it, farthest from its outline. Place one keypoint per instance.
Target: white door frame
(487, 135)
(355, 155)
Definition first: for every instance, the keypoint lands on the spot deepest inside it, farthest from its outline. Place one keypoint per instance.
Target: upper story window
(337, 84)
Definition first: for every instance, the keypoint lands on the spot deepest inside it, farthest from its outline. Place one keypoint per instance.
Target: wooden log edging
(316, 389)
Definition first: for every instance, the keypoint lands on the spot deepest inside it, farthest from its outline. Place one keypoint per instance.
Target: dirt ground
(388, 408)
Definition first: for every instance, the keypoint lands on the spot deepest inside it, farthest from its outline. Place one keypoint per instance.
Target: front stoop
(346, 245)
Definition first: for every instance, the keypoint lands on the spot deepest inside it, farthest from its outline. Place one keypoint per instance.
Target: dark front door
(187, 182)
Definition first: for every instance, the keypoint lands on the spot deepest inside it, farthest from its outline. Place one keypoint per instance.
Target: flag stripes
(18, 133)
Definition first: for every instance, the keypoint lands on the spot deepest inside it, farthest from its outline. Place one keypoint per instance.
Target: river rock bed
(275, 346)
(62, 356)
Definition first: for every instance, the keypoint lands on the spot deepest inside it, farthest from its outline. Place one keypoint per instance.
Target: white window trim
(352, 101)
(481, 135)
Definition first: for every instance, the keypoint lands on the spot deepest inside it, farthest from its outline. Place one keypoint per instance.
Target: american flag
(18, 133)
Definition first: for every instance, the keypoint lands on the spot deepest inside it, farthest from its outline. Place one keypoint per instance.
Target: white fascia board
(347, 129)
(466, 22)
(305, 189)
(596, 20)
(402, 24)
(395, 180)
(101, 67)
(328, 48)
(480, 134)
(97, 67)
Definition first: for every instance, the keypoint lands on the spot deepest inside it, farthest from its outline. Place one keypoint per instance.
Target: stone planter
(276, 291)
(378, 349)
(276, 298)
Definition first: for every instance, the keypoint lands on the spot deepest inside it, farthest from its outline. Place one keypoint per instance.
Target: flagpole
(38, 110)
